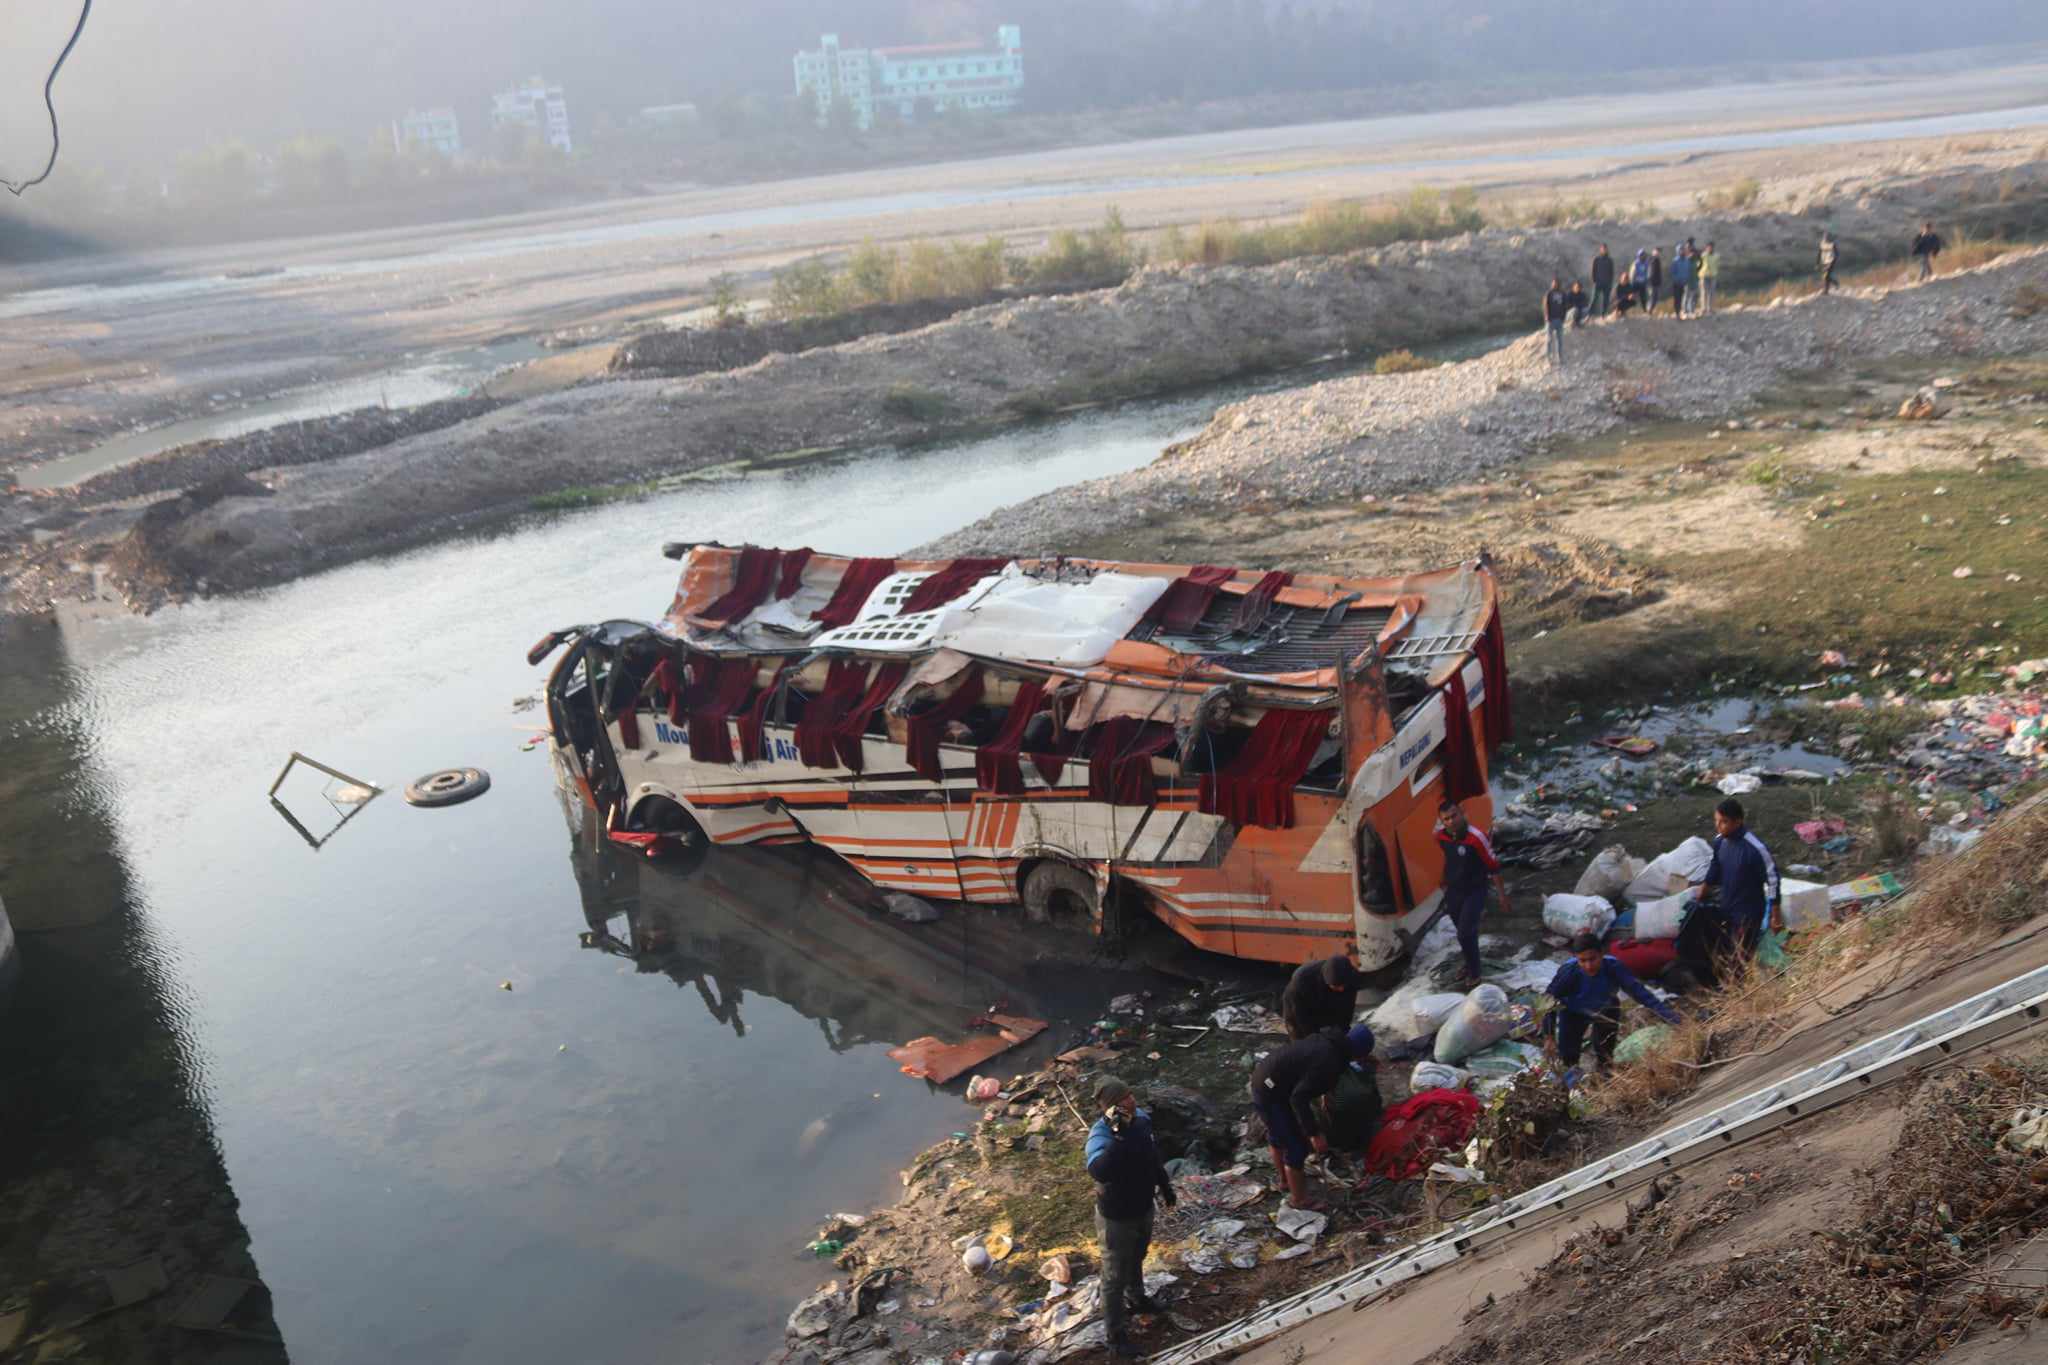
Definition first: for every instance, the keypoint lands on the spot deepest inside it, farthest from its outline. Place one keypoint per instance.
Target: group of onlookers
(1688, 281)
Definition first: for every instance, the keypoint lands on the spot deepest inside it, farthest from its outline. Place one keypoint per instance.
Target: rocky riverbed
(1166, 328)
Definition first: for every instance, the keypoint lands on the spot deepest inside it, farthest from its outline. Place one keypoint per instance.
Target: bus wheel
(1060, 893)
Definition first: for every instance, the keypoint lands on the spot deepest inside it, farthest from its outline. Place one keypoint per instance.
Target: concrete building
(909, 80)
(534, 104)
(431, 129)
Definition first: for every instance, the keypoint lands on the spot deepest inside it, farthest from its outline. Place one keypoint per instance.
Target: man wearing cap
(1321, 994)
(1285, 1088)
(1124, 1163)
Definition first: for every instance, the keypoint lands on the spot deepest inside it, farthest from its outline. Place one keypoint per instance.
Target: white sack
(1661, 918)
(1673, 871)
(1485, 1017)
(1609, 874)
(1572, 915)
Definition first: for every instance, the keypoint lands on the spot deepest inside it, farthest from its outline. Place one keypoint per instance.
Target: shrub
(726, 308)
(806, 289)
(1094, 259)
(1743, 194)
(1402, 362)
(914, 403)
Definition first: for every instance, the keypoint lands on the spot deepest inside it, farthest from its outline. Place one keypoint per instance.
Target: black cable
(85, 8)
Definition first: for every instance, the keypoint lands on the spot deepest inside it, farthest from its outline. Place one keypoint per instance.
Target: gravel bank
(1373, 435)
(1166, 328)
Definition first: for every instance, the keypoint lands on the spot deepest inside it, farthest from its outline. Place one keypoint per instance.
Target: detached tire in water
(448, 787)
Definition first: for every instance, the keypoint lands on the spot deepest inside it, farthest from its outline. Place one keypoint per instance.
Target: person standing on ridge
(1469, 862)
(1710, 275)
(1681, 280)
(1555, 308)
(1656, 280)
(1641, 273)
(1321, 994)
(1603, 281)
(1926, 247)
(1124, 1163)
(1745, 876)
(1829, 256)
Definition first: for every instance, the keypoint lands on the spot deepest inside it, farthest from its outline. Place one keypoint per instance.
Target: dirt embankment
(1166, 328)
(1376, 435)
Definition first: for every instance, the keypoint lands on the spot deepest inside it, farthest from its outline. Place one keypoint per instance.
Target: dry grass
(1999, 882)
(1402, 362)
(1328, 228)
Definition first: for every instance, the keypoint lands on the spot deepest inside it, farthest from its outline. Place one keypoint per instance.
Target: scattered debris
(1249, 1019)
(910, 909)
(936, 1061)
(447, 787)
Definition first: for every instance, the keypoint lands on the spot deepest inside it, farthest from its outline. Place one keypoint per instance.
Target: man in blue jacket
(1745, 879)
(1125, 1165)
(1588, 994)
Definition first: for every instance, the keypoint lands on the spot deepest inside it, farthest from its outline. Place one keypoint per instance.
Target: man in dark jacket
(1744, 878)
(1926, 247)
(1575, 299)
(1124, 1163)
(1321, 994)
(1603, 281)
(1656, 280)
(1285, 1088)
(1588, 990)
(1555, 310)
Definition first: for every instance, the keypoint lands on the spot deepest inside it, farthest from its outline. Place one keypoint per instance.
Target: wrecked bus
(1252, 758)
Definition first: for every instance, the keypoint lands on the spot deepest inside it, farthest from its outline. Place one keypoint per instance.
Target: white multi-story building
(938, 76)
(430, 129)
(536, 104)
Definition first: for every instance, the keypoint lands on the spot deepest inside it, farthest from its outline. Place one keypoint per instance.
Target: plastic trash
(1770, 952)
(1804, 904)
(1300, 1224)
(1663, 918)
(1739, 784)
(1573, 915)
(1609, 874)
(1431, 1010)
(1641, 1043)
(1485, 1016)
(1430, 1075)
(1057, 1269)
(976, 1259)
(983, 1088)
(910, 909)
(1504, 1059)
(1669, 872)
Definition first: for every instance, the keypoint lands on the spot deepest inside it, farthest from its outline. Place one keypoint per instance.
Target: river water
(621, 1157)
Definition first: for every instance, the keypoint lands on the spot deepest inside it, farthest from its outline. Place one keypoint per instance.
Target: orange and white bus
(1253, 758)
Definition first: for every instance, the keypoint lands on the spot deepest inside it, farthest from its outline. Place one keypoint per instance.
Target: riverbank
(1165, 329)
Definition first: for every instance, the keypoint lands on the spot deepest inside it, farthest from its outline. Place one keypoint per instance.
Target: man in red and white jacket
(1468, 862)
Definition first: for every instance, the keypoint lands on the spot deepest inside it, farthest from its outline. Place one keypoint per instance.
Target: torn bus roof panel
(938, 1062)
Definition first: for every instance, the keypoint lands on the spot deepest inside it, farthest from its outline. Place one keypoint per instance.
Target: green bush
(806, 289)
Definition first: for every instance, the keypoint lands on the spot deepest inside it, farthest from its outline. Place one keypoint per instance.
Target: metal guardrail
(1983, 1019)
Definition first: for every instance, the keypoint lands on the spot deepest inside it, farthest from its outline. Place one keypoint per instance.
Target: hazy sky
(152, 77)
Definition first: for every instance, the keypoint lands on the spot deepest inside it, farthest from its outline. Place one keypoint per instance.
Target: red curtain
(853, 721)
(1052, 762)
(1120, 760)
(666, 687)
(751, 579)
(1253, 606)
(1179, 609)
(1497, 705)
(753, 725)
(948, 583)
(928, 728)
(862, 576)
(1257, 786)
(1461, 756)
(814, 733)
(790, 577)
(996, 768)
(719, 689)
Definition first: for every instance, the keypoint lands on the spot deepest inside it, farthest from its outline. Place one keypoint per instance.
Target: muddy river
(622, 1156)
